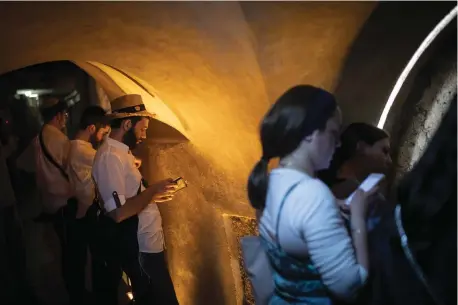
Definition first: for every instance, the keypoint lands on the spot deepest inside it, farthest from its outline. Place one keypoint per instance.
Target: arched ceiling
(218, 64)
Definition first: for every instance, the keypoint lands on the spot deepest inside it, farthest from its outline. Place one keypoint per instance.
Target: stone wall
(428, 99)
(219, 65)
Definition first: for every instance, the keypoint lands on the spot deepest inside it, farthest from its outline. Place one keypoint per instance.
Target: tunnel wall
(219, 66)
(389, 38)
(428, 97)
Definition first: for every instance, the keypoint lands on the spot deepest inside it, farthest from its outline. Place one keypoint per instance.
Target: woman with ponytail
(312, 256)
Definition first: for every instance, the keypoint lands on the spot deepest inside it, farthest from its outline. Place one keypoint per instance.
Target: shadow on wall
(380, 52)
(197, 250)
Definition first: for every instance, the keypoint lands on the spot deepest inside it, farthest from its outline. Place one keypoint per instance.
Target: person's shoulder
(315, 188)
(54, 133)
(313, 203)
(81, 152)
(105, 155)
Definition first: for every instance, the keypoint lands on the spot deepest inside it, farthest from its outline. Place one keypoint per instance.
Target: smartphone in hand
(369, 183)
(181, 184)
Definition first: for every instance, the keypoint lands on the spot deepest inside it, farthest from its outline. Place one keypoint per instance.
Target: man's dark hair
(48, 113)
(93, 115)
(116, 123)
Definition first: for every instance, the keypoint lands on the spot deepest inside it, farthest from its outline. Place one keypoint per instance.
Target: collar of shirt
(53, 129)
(81, 154)
(86, 144)
(118, 144)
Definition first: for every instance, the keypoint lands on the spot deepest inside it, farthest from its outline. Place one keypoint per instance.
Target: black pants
(155, 266)
(12, 246)
(72, 235)
(116, 250)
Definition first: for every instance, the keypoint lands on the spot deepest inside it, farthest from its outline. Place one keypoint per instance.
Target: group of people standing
(94, 194)
(373, 250)
(320, 249)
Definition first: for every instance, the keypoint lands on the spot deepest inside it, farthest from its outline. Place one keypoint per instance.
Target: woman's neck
(302, 164)
(352, 170)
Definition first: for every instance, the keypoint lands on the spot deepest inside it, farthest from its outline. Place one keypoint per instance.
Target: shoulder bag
(257, 263)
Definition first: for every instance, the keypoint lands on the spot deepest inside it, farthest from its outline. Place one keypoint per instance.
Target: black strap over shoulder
(49, 157)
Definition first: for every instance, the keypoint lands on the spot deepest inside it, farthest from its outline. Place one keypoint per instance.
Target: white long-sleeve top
(311, 226)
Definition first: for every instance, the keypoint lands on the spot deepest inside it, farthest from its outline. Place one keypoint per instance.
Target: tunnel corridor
(210, 70)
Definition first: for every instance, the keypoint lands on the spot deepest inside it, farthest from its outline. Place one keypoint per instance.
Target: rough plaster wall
(218, 72)
(380, 53)
(310, 51)
(423, 118)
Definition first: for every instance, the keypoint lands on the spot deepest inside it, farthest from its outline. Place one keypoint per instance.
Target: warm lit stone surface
(212, 63)
(218, 66)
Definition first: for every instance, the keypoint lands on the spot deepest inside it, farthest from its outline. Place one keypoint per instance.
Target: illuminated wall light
(130, 295)
(424, 45)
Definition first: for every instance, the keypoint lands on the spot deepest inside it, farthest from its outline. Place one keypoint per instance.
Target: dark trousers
(116, 250)
(111, 273)
(13, 254)
(155, 266)
(72, 235)
(149, 276)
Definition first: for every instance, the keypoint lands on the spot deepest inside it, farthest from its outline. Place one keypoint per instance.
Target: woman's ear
(361, 147)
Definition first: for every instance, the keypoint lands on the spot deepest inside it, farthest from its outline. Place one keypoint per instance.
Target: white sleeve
(79, 171)
(109, 176)
(329, 244)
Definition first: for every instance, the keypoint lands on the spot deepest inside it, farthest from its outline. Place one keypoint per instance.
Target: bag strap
(50, 158)
(277, 226)
(411, 259)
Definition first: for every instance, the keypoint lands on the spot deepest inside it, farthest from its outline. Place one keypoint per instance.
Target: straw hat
(129, 105)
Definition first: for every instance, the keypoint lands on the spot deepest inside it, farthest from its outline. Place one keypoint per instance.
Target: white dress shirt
(54, 188)
(311, 226)
(80, 160)
(114, 170)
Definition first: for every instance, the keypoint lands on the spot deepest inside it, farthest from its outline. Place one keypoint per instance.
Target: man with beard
(51, 147)
(93, 127)
(137, 244)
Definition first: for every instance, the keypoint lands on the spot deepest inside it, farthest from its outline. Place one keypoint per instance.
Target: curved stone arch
(420, 98)
(379, 54)
(166, 128)
(429, 99)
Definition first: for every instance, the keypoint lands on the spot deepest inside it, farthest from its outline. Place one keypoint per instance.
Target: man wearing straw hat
(137, 244)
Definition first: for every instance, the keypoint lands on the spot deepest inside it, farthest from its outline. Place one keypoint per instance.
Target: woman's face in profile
(378, 155)
(327, 141)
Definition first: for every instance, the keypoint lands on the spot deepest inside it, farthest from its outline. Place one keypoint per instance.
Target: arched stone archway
(116, 83)
(431, 92)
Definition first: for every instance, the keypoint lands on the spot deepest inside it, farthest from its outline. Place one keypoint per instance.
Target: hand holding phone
(180, 184)
(368, 184)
